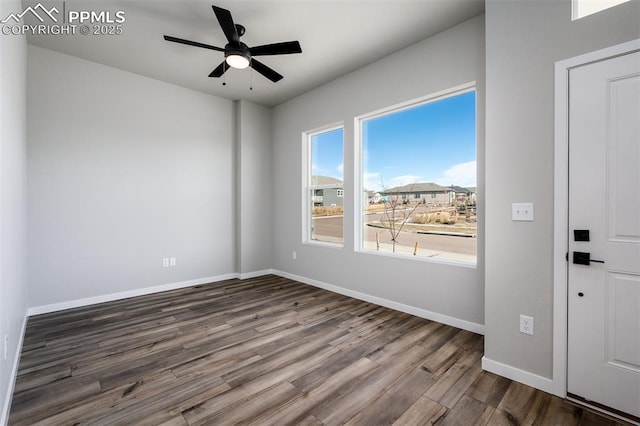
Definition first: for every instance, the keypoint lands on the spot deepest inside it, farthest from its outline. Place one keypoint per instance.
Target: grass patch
(327, 210)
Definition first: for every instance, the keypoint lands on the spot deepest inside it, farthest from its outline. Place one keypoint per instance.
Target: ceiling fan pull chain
(224, 77)
(251, 77)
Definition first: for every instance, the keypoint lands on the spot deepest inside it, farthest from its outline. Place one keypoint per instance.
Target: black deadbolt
(581, 235)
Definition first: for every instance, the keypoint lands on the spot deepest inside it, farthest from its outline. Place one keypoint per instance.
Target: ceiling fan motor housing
(241, 50)
(234, 53)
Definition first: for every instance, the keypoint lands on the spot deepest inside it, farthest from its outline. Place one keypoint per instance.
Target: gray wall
(13, 196)
(524, 40)
(253, 182)
(123, 171)
(448, 59)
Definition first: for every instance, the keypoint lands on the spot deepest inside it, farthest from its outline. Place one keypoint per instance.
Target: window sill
(451, 259)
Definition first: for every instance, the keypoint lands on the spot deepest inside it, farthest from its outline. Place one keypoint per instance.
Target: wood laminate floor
(264, 351)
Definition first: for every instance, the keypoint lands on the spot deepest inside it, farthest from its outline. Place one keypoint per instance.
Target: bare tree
(397, 212)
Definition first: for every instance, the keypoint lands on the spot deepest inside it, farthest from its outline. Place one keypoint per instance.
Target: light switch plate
(522, 212)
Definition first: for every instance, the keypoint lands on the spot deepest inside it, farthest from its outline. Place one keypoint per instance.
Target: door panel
(624, 173)
(604, 197)
(622, 321)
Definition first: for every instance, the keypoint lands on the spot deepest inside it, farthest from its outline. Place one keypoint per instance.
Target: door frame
(561, 204)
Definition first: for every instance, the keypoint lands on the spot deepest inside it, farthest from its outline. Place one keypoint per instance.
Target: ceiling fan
(236, 53)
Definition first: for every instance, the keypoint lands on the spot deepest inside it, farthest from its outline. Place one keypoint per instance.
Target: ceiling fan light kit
(237, 54)
(239, 61)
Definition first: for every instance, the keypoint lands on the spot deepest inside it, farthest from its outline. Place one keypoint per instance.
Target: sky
(432, 142)
(327, 154)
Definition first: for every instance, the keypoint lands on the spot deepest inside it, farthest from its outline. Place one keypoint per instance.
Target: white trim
(578, 6)
(561, 204)
(561, 230)
(327, 244)
(444, 261)
(254, 274)
(360, 199)
(542, 383)
(44, 309)
(307, 173)
(432, 97)
(423, 313)
(4, 418)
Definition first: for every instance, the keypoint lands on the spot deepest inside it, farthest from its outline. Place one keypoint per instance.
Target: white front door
(604, 233)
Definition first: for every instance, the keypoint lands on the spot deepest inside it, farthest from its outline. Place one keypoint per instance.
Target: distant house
(328, 191)
(427, 193)
(463, 194)
(472, 193)
(372, 197)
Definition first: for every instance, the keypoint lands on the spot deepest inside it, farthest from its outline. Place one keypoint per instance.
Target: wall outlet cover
(526, 324)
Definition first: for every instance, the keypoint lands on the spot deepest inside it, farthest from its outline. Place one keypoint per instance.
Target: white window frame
(307, 186)
(583, 8)
(360, 200)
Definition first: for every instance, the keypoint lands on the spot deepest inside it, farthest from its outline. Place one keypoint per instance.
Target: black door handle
(583, 258)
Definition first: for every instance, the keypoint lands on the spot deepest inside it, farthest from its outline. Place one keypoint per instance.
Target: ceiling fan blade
(284, 48)
(192, 43)
(220, 69)
(265, 70)
(227, 25)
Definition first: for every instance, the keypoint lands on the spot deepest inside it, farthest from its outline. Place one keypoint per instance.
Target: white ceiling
(337, 37)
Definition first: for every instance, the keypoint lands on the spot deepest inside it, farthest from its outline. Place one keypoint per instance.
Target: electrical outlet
(165, 262)
(172, 261)
(294, 255)
(526, 324)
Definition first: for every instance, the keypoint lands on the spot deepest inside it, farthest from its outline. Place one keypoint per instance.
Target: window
(418, 178)
(324, 215)
(582, 8)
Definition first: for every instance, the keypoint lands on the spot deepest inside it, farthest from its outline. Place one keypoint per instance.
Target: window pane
(419, 180)
(582, 8)
(326, 192)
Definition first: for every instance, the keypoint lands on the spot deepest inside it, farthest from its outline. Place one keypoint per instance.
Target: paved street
(332, 227)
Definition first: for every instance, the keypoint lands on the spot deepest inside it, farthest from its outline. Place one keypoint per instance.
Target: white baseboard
(44, 309)
(248, 275)
(4, 417)
(423, 313)
(542, 383)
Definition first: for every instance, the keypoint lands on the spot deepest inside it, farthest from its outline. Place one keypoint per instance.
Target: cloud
(337, 173)
(402, 180)
(463, 174)
(371, 181)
